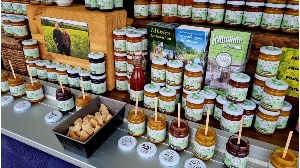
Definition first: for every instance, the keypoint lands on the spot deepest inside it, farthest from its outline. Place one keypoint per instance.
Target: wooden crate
(100, 25)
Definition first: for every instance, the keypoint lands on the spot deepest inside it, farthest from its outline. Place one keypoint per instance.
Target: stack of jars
(15, 26)
(97, 70)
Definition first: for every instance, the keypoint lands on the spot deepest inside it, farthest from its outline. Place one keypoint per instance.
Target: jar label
(91, 3)
(267, 67)
(144, 64)
(97, 68)
(31, 53)
(64, 79)
(233, 17)
(232, 161)
(33, 71)
(270, 165)
(230, 126)
(183, 102)
(121, 66)
(20, 31)
(140, 95)
(237, 94)
(8, 7)
(184, 11)
(106, 4)
(282, 121)
(247, 120)
(4, 86)
(17, 7)
(203, 152)
(133, 47)
(136, 129)
(87, 85)
(199, 13)
(74, 82)
(256, 91)
(154, 9)
(158, 74)
(215, 15)
(166, 106)
(121, 85)
(210, 107)
(193, 114)
(173, 78)
(218, 113)
(149, 102)
(178, 143)
(8, 29)
(192, 82)
(156, 135)
(17, 90)
(24, 8)
(52, 76)
(177, 98)
(169, 10)
(35, 95)
(98, 88)
(252, 18)
(129, 69)
(118, 3)
(66, 105)
(264, 126)
(271, 20)
(140, 10)
(42, 74)
(290, 22)
(145, 44)
(120, 45)
(271, 102)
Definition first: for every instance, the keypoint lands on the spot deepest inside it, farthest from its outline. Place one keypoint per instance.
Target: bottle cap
(222, 99)
(165, 91)
(17, 19)
(121, 74)
(42, 62)
(174, 87)
(73, 70)
(120, 54)
(5, 100)
(239, 77)
(159, 61)
(99, 77)
(53, 116)
(62, 67)
(208, 93)
(217, 1)
(151, 88)
(30, 61)
(146, 150)
(271, 5)
(270, 50)
(159, 84)
(85, 72)
(142, 30)
(194, 163)
(127, 143)
(233, 109)
(52, 65)
(169, 157)
(255, 4)
(247, 105)
(276, 84)
(96, 55)
(133, 34)
(286, 106)
(290, 6)
(271, 113)
(262, 78)
(22, 106)
(235, 2)
(119, 32)
(175, 64)
(195, 98)
(194, 68)
(29, 42)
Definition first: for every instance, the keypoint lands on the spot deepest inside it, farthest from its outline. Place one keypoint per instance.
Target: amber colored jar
(31, 49)
(185, 93)
(216, 12)
(204, 145)
(52, 72)
(62, 74)
(276, 160)
(248, 114)
(7, 26)
(151, 91)
(158, 69)
(34, 92)
(178, 92)
(32, 68)
(156, 130)
(120, 62)
(293, 2)
(220, 101)
(192, 77)
(133, 42)
(199, 11)
(4, 82)
(231, 117)
(277, 1)
(154, 9)
(35, 2)
(268, 61)
(140, 9)
(121, 81)
(272, 16)
(169, 11)
(253, 14)
(80, 102)
(119, 37)
(179, 136)
(290, 22)
(209, 102)
(237, 87)
(136, 123)
(174, 73)
(166, 100)
(284, 115)
(234, 13)
(19, 27)
(17, 7)
(16, 86)
(48, 2)
(41, 69)
(194, 107)
(265, 121)
(184, 10)
(258, 86)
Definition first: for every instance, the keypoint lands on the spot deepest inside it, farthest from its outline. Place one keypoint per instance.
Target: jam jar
(63, 74)
(105, 5)
(236, 154)
(265, 121)
(16, 86)
(237, 88)
(216, 12)
(144, 33)
(129, 65)
(277, 1)
(19, 27)
(4, 82)
(209, 102)
(284, 115)
(178, 92)
(91, 5)
(258, 86)
(73, 77)
(184, 10)
(133, 42)
(41, 69)
(169, 11)
(199, 11)
(136, 122)
(231, 117)
(120, 62)
(31, 49)
(17, 7)
(273, 94)
(140, 9)
(290, 22)
(7, 5)
(97, 63)
(7, 26)
(156, 130)
(81, 102)
(234, 13)
(32, 68)
(272, 16)
(276, 160)
(98, 84)
(86, 79)
(185, 93)
(35, 2)
(204, 145)
(249, 107)
(121, 81)
(65, 100)
(268, 61)
(151, 91)
(194, 107)
(158, 69)
(253, 14)
(154, 9)
(174, 72)
(166, 100)
(220, 101)
(179, 136)
(192, 77)
(119, 37)
(34, 92)
(52, 72)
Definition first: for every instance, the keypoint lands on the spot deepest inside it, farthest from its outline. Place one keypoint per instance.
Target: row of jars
(104, 5)
(15, 26)
(16, 7)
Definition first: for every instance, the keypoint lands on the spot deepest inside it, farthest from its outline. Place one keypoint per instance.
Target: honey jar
(192, 77)
(151, 91)
(169, 11)
(265, 121)
(216, 12)
(178, 92)
(129, 65)
(166, 100)
(41, 69)
(34, 92)
(220, 101)
(31, 49)
(7, 5)
(209, 102)
(97, 63)
(290, 21)
(52, 72)
(253, 14)
(136, 123)
(276, 160)
(118, 4)
(154, 9)
(81, 102)
(17, 7)
(121, 81)
(16, 86)
(133, 42)
(105, 5)
(237, 87)
(178, 135)
(284, 115)
(91, 5)
(174, 72)
(231, 117)
(204, 145)
(63, 74)
(19, 27)
(194, 107)
(140, 9)
(268, 61)
(234, 13)
(156, 130)
(258, 86)
(65, 100)
(184, 10)
(272, 16)
(199, 11)
(248, 113)
(86, 79)
(158, 69)
(7, 26)
(119, 37)
(4, 82)
(32, 68)
(185, 93)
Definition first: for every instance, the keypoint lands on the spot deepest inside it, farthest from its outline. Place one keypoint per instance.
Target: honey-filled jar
(7, 5)
(7, 26)
(154, 9)
(41, 69)
(151, 91)
(47, 2)
(258, 86)
(268, 61)
(24, 4)
(237, 88)
(265, 121)
(231, 117)
(185, 93)
(133, 42)
(199, 11)
(120, 62)
(184, 10)
(277, 1)
(272, 16)
(119, 38)
(166, 100)
(220, 101)
(194, 107)
(284, 115)
(81, 101)
(253, 14)
(248, 114)
(63, 74)
(156, 129)
(179, 135)
(73, 77)
(192, 77)
(136, 122)
(52, 72)
(4, 82)
(204, 145)
(31, 49)
(158, 69)
(234, 13)
(140, 9)
(32, 68)
(34, 91)
(98, 84)
(121, 81)
(65, 100)
(178, 92)
(273, 94)
(174, 72)
(16, 86)
(209, 102)
(19, 27)
(290, 21)
(276, 160)
(169, 11)
(216, 12)
(17, 7)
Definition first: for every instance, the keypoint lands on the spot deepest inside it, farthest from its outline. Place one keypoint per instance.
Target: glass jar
(35, 2)
(185, 93)
(7, 5)
(129, 65)
(119, 37)
(151, 91)
(73, 77)
(174, 72)
(120, 62)
(273, 94)
(154, 9)
(133, 42)
(121, 81)
(265, 121)
(249, 107)
(178, 92)
(179, 136)
(48, 2)
(81, 102)
(17, 7)
(16, 86)
(169, 11)
(41, 69)
(277, 1)
(65, 100)
(166, 100)
(118, 4)
(199, 11)
(31, 49)
(284, 115)
(272, 16)
(204, 145)
(4, 82)
(268, 61)
(144, 33)
(156, 130)
(258, 86)
(184, 10)
(276, 160)
(293, 2)
(231, 117)
(98, 84)
(32, 68)
(97, 63)
(140, 9)
(290, 22)
(237, 88)
(34, 92)
(209, 102)
(136, 123)
(194, 107)
(192, 77)
(86, 79)
(234, 13)
(91, 5)
(220, 101)
(19, 27)
(52, 72)
(63, 74)
(158, 69)
(216, 12)
(253, 14)
(7, 26)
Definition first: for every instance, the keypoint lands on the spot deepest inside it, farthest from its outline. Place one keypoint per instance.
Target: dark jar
(97, 63)
(73, 77)
(234, 13)
(179, 136)
(98, 84)
(65, 100)
(86, 79)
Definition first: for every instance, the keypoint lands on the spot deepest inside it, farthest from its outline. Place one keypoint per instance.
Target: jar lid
(262, 78)
(5, 100)
(133, 34)
(189, 92)
(73, 69)
(30, 61)
(233, 109)
(174, 87)
(142, 30)
(193, 163)
(22, 106)
(286, 106)
(146, 149)
(53, 116)
(85, 72)
(271, 113)
(239, 77)
(247, 105)
(194, 68)
(96, 55)
(175, 64)
(121, 74)
(119, 32)
(53, 65)
(17, 19)
(208, 94)
(151, 88)
(159, 61)
(222, 99)
(276, 84)
(271, 5)
(6, 17)
(236, 2)
(29, 42)
(165, 91)
(159, 84)
(120, 54)
(255, 101)
(290, 6)
(217, 1)
(195, 98)
(62, 67)
(200, 0)
(169, 157)
(127, 143)
(255, 4)
(42, 62)
(99, 77)
(129, 28)
(270, 50)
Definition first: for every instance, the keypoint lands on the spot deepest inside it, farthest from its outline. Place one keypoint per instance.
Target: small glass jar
(199, 11)
(154, 9)
(17, 7)
(63, 74)
(119, 37)
(166, 100)
(249, 107)
(209, 102)
(16, 86)
(81, 102)
(118, 4)
(133, 42)
(7, 26)
(194, 107)
(34, 92)
(19, 27)
(273, 94)
(41, 69)
(204, 145)
(174, 72)
(156, 129)
(169, 11)
(151, 91)
(73, 77)
(258, 86)
(234, 13)
(97, 63)
(293, 2)
(185, 93)
(31, 49)
(48, 2)
(284, 115)
(179, 136)
(144, 33)
(265, 121)
(98, 84)
(86, 79)
(52, 72)
(129, 65)
(7, 5)
(220, 101)
(35, 2)
(192, 77)
(276, 160)
(268, 61)
(277, 1)
(216, 12)
(24, 4)
(184, 10)
(4, 82)
(290, 21)
(231, 117)
(237, 88)
(121, 81)
(32, 68)
(253, 14)
(178, 92)
(65, 100)
(140, 9)
(272, 16)
(158, 69)
(136, 123)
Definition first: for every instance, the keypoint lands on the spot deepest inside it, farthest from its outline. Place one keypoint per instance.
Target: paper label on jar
(184, 11)
(178, 143)
(193, 114)
(98, 88)
(256, 91)
(140, 10)
(154, 9)
(264, 126)
(270, 165)
(33, 71)
(87, 85)
(140, 95)
(64, 79)
(210, 107)
(217, 113)
(35, 95)
(120, 45)
(118, 3)
(282, 121)
(8, 6)
(145, 44)
(31, 53)
(17, 7)
(215, 15)
(106, 4)
(74, 82)
(267, 67)
(203, 152)
(290, 22)
(230, 126)
(233, 17)
(199, 13)
(149, 102)
(192, 82)
(8, 29)
(173, 78)
(247, 120)
(271, 102)
(20, 30)
(169, 10)
(129, 69)
(4, 86)
(121, 85)
(133, 47)
(166, 106)
(66, 105)
(232, 161)
(52, 76)
(97, 68)
(156, 135)
(237, 94)
(121, 66)
(17, 90)
(136, 129)
(158, 74)
(42, 73)
(252, 18)
(271, 20)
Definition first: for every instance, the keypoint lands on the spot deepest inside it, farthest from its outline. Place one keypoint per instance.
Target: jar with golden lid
(17, 7)
(234, 13)
(151, 91)
(290, 22)
(140, 9)
(253, 14)
(32, 67)
(129, 65)
(34, 92)
(19, 27)
(35, 2)
(231, 117)
(194, 107)
(7, 26)
(136, 122)
(166, 100)
(156, 129)
(268, 61)
(82, 101)
(277, 1)
(31, 49)
(272, 16)
(220, 101)
(199, 11)
(204, 145)
(16, 86)
(174, 72)
(52, 72)
(158, 69)
(273, 94)
(24, 4)
(4, 82)
(178, 92)
(185, 93)
(276, 160)
(265, 121)
(209, 102)
(293, 2)
(216, 12)
(41, 69)
(48, 2)
(144, 33)
(62, 74)
(119, 37)
(248, 114)
(237, 88)
(258, 86)
(192, 77)
(169, 11)
(184, 10)
(8, 7)
(133, 42)
(154, 9)
(284, 115)
(121, 81)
